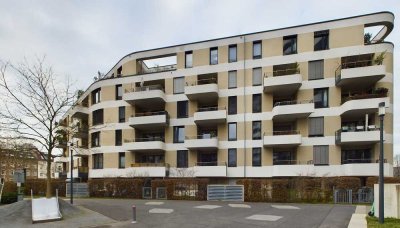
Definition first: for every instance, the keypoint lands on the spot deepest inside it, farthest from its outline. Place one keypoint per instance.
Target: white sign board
(19, 177)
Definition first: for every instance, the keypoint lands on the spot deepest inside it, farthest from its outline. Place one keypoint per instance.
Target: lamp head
(382, 109)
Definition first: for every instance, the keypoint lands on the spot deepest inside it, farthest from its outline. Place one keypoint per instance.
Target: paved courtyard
(154, 213)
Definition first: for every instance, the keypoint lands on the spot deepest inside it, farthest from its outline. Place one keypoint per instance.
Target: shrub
(9, 197)
(388, 180)
(38, 187)
(116, 187)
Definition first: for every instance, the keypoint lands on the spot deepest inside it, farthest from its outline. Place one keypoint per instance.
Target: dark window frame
(182, 162)
(121, 165)
(118, 137)
(232, 163)
(231, 110)
(98, 161)
(121, 110)
(257, 42)
(96, 96)
(291, 52)
(117, 97)
(230, 138)
(173, 85)
(324, 34)
(178, 109)
(254, 162)
(93, 137)
(317, 105)
(254, 107)
(232, 87)
(176, 134)
(229, 53)
(260, 129)
(97, 118)
(186, 54)
(309, 70)
(323, 126)
(211, 51)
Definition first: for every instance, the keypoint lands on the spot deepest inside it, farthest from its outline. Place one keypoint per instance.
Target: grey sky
(81, 37)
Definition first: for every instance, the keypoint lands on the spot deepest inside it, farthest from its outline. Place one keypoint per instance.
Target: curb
(358, 218)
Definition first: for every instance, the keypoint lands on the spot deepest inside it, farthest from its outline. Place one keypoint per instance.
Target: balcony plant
(367, 38)
(378, 60)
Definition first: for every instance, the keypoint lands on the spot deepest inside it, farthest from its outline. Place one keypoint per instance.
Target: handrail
(204, 81)
(148, 164)
(287, 132)
(158, 69)
(212, 108)
(285, 162)
(203, 136)
(378, 93)
(216, 163)
(353, 64)
(284, 72)
(140, 114)
(294, 102)
(355, 161)
(145, 88)
(146, 139)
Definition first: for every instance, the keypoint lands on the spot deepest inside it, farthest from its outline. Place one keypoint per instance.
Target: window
(321, 40)
(213, 56)
(356, 156)
(97, 117)
(256, 130)
(97, 161)
(257, 76)
(315, 126)
(232, 132)
(284, 157)
(232, 53)
(257, 49)
(321, 98)
(121, 160)
(121, 114)
(256, 157)
(289, 45)
(232, 105)
(256, 103)
(118, 92)
(182, 159)
(321, 155)
(179, 85)
(232, 158)
(179, 134)
(118, 137)
(95, 139)
(119, 71)
(96, 96)
(316, 69)
(182, 109)
(188, 59)
(232, 80)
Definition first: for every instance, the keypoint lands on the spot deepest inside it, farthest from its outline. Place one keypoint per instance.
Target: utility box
(391, 200)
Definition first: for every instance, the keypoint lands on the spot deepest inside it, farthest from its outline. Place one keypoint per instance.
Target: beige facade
(314, 88)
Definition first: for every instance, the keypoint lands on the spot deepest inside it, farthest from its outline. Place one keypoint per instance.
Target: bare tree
(32, 100)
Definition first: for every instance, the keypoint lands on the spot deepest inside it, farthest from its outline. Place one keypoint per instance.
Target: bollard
(133, 214)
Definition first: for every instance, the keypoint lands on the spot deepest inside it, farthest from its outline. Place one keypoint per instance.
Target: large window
(232, 105)
(95, 139)
(182, 159)
(118, 92)
(121, 160)
(232, 79)
(362, 155)
(321, 98)
(179, 85)
(182, 109)
(289, 45)
(232, 132)
(315, 126)
(97, 117)
(97, 161)
(284, 157)
(188, 59)
(213, 56)
(321, 155)
(118, 137)
(96, 96)
(179, 134)
(256, 130)
(321, 40)
(316, 69)
(232, 158)
(232, 53)
(256, 103)
(256, 156)
(257, 49)
(257, 76)
(121, 114)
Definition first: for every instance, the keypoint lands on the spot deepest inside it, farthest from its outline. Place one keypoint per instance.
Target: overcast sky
(80, 38)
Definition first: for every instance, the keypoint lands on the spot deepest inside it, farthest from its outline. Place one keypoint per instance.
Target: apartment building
(296, 101)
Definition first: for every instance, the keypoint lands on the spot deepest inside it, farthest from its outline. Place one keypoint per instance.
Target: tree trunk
(48, 178)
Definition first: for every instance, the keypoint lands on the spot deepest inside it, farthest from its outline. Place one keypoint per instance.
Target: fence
(347, 196)
(225, 192)
(79, 190)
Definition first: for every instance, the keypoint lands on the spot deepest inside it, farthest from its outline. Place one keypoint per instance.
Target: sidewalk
(358, 218)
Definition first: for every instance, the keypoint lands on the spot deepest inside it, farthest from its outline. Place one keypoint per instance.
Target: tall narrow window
(119, 71)
(232, 53)
(321, 155)
(97, 117)
(121, 160)
(188, 59)
(118, 137)
(257, 49)
(96, 96)
(232, 132)
(256, 155)
(182, 159)
(256, 103)
(179, 85)
(182, 109)
(256, 130)
(232, 157)
(321, 98)
(121, 114)
(321, 40)
(257, 76)
(179, 134)
(213, 56)
(316, 69)
(97, 161)
(118, 92)
(315, 126)
(95, 138)
(232, 79)
(290, 45)
(232, 105)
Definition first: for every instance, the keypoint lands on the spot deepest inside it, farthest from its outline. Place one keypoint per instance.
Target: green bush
(9, 197)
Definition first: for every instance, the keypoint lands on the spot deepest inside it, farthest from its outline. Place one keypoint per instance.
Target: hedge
(117, 187)
(182, 188)
(388, 180)
(39, 186)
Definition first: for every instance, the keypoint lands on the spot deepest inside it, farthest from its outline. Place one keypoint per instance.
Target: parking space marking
(270, 218)
(238, 205)
(207, 207)
(161, 211)
(287, 207)
(154, 203)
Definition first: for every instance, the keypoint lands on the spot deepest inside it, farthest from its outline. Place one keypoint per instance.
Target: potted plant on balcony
(367, 38)
(381, 91)
(378, 60)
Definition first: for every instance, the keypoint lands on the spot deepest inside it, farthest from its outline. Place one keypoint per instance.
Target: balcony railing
(145, 88)
(348, 65)
(146, 139)
(376, 93)
(203, 136)
(283, 72)
(158, 69)
(357, 161)
(338, 133)
(202, 82)
(150, 114)
(141, 164)
(287, 132)
(294, 102)
(213, 163)
(292, 162)
(208, 109)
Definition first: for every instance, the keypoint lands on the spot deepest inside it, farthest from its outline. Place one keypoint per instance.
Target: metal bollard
(133, 214)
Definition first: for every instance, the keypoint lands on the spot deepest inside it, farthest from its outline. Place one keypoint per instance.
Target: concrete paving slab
(161, 211)
(270, 218)
(155, 203)
(236, 205)
(210, 207)
(285, 207)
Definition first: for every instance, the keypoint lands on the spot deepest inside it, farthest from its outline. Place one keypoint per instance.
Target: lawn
(389, 222)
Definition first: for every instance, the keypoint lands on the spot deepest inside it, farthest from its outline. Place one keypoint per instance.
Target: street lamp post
(381, 180)
(72, 178)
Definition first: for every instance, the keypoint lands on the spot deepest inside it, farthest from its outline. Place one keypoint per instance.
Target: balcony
(210, 116)
(81, 132)
(201, 142)
(145, 95)
(136, 170)
(62, 143)
(283, 82)
(145, 144)
(80, 111)
(291, 110)
(359, 137)
(210, 169)
(282, 139)
(149, 120)
(202, 90)
(357, 103)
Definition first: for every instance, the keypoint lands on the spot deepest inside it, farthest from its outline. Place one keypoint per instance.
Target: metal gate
(80, 190)
(225, 192)
(363, 195)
